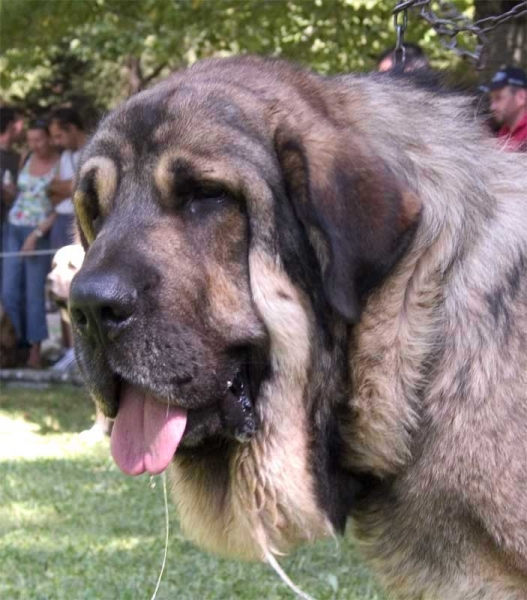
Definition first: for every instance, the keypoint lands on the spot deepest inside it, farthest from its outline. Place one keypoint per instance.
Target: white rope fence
(26, 254)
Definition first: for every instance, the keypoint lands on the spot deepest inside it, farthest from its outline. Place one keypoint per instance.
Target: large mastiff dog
(306, 299)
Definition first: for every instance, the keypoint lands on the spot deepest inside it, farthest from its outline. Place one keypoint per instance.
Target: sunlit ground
(72, 526)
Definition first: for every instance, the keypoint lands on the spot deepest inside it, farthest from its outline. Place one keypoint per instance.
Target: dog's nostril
(115, 314)
(101, 306)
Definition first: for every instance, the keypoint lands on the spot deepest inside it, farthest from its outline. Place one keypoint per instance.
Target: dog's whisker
(167, 531)
(273, 563)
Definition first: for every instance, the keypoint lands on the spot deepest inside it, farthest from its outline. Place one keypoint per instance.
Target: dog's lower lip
(111, 399)
(238, 408)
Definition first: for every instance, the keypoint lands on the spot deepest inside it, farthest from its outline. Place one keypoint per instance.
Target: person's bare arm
(58, 190)
(9, 192)
(41, 229)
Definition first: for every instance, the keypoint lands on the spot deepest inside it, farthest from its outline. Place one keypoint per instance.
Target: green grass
(72, 526)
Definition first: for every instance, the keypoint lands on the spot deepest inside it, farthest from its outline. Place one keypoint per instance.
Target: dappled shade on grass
(58, 409)
(72, 526)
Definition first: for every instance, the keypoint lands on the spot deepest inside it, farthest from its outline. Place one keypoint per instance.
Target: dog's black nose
(101, 305)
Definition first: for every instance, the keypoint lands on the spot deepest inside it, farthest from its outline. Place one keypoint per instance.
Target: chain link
(400, 50)
(448, 22)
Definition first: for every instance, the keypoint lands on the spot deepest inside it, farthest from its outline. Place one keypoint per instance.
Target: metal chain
(452, 22)
(400, 50)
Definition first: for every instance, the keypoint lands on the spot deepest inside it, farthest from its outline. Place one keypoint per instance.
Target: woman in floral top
(27, 229)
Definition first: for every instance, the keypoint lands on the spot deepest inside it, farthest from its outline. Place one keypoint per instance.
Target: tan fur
(105, 180)
(163, 176)
(268, 503)
(83, 218)
(473, 228)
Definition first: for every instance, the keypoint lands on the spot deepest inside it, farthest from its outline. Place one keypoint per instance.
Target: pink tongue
(146, 433)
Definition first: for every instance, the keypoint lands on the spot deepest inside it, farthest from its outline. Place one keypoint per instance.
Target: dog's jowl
(305, 299)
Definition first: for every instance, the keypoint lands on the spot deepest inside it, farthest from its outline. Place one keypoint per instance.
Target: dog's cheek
(265, 490)
(224, 247)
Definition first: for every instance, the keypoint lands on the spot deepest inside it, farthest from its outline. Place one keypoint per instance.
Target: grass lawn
(72, 526)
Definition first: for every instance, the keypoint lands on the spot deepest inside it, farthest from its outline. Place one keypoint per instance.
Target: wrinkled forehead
(195, 120)
(168, 136)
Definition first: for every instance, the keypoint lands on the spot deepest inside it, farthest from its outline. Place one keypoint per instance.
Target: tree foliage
(118, 46)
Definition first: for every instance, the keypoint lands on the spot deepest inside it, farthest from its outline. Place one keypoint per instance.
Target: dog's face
(66, 262)
(170, 247)
(225, 261)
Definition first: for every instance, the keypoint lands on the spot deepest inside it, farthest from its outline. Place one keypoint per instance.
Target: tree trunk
(508, 42)
(135, 75)
(137, 81)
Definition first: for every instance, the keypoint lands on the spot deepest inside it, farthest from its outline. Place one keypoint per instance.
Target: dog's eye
(203, 199)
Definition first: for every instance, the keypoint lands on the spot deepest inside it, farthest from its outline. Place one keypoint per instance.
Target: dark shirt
(9, 161)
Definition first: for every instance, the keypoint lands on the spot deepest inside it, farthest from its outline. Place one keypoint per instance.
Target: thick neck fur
(409, 324)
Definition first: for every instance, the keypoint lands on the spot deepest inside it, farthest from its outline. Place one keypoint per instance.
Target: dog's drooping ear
(356, 215)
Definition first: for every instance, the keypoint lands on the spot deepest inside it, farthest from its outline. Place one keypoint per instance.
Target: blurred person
(414, 59)
(67, 132)
(28, 224)
(508, 105)
(11, 131)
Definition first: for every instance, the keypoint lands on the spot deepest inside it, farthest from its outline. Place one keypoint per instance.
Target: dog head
(234, 222)
(65, 264)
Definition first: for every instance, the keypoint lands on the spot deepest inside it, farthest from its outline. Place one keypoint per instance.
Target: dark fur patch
(501, 299)
(352, 193)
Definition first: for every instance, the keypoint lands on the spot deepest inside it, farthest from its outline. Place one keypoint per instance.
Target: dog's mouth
(148, 432)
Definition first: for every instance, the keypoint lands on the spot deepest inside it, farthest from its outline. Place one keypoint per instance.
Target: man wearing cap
(508, 104)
